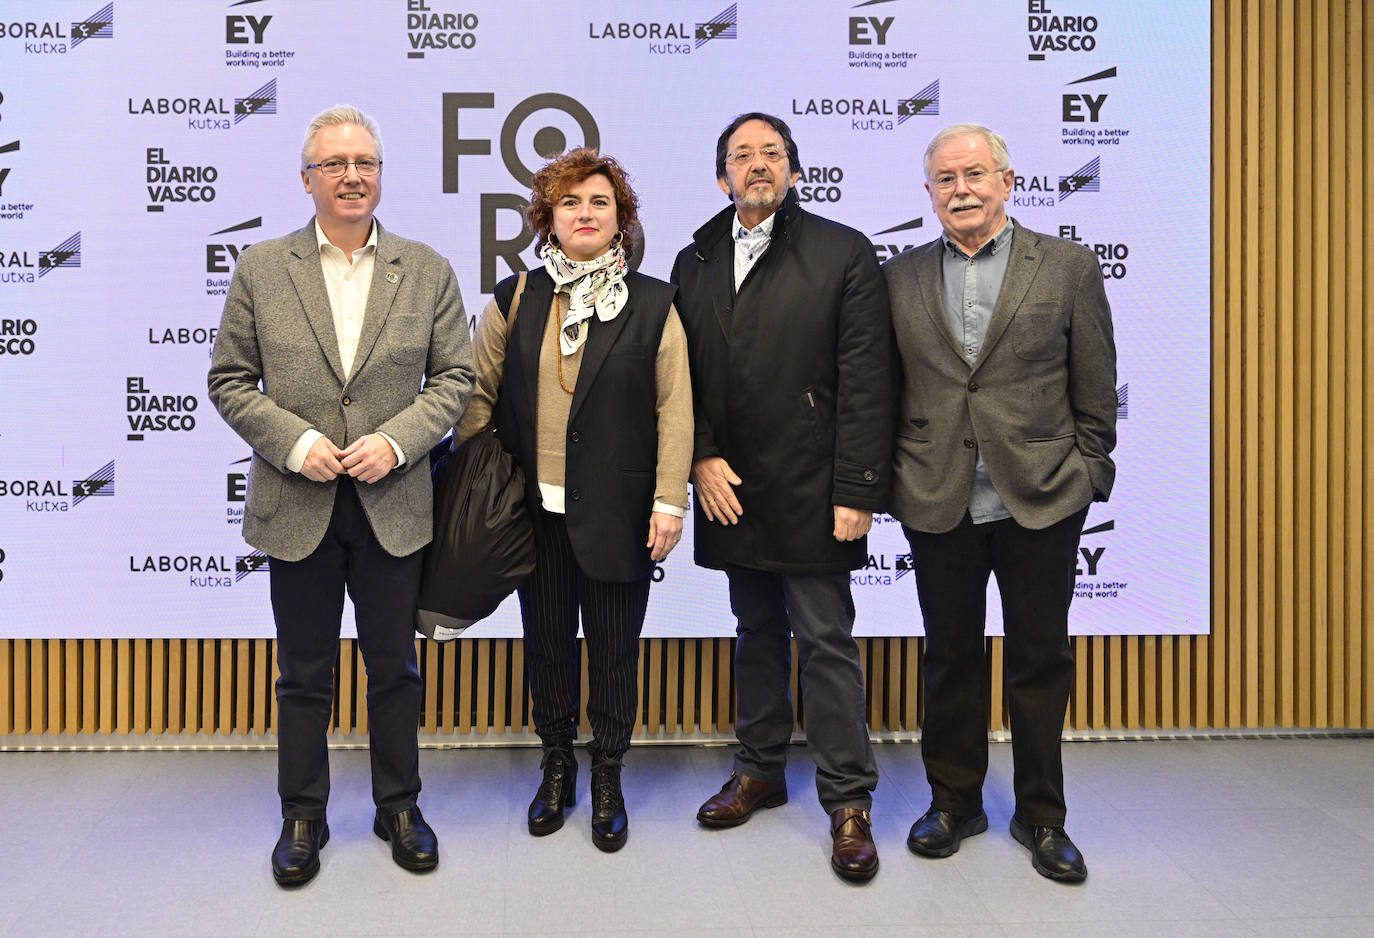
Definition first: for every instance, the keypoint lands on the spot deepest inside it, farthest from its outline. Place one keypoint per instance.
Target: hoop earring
(618, 240)
(552, 239)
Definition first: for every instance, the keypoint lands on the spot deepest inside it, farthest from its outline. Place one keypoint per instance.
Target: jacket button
(973, 385)
(868, 475)
(968, 443)
(347, 400)
(575, 437)
(576, 495)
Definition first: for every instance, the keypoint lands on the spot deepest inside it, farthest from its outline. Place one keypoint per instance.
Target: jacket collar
(722, 226)
(308, 278)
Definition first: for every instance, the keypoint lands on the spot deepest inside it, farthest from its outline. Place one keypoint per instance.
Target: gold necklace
(561, 383)
(560, 306)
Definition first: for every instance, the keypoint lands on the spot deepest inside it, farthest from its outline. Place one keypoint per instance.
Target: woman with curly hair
(587, 385)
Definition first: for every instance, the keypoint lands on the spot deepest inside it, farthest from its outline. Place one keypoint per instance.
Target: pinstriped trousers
(612, 617)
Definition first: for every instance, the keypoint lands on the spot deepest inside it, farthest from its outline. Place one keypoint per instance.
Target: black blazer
(612, 441)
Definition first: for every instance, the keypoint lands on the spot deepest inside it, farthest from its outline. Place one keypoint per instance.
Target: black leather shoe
(610, 826)
(557, 791)
(937, 833)
(1052, 852)
(413, 844)
(296, 857)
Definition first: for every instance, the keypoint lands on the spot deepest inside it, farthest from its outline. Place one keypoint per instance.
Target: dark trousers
(612, 617)
(307, 602)
(1035, 575)
(818, 609)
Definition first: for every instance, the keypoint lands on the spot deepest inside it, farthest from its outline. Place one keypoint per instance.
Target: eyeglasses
(336, 168)
(746, 155)
(973, 179)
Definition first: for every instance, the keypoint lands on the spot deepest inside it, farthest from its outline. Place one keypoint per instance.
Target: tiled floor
(1194, 837)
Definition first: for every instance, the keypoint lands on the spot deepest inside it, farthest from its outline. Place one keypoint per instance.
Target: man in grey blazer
(342, 357)
(1006, 425)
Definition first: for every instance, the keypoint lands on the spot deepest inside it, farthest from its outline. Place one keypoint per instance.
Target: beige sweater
(673, 405)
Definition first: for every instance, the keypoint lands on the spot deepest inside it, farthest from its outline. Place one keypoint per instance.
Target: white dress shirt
(750, 243)
(348, 282)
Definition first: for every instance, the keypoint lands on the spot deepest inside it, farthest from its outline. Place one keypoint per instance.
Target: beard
(761, 197)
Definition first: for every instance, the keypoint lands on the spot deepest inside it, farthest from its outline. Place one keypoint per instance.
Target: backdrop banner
(144, 145)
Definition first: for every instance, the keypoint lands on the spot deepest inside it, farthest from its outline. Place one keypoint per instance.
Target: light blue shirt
(971, 286)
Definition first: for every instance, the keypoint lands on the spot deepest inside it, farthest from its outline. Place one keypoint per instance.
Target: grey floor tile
(660, 783)
(147, 883)
(476, 786)
(1314, 928)
(659, 878)
(1130, 878)
(901, 771)
(1359, 820)
(70, 788)
(884, 931)
(1212, 928)
(1284, 767)
(195, 790)
(1267, 863)
(1180, 838)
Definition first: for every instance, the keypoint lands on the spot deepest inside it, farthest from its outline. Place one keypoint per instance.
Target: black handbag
(483, 546)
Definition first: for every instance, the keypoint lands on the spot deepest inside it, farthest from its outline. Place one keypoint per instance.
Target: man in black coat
(788, 335)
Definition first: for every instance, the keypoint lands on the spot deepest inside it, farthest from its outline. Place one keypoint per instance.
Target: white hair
(996, 144)
(338, 114)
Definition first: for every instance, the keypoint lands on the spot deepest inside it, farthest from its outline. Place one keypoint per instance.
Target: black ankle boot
(610, 826)
(557, 791)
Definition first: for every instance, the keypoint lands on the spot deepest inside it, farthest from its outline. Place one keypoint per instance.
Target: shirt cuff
(296, 458)
(396, 447)
(670, 509)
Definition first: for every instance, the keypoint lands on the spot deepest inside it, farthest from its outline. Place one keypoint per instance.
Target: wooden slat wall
(1292, 644)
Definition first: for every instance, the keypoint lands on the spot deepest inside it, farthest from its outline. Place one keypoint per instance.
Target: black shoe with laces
(610, 826)
(557, 791)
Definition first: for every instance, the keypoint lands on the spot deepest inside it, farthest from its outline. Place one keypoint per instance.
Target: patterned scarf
(594, 285)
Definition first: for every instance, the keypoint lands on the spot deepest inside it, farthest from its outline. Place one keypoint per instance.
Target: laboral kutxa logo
(202, 570)
(873, 114)
(25, 266)
(210, 112)
(54, 494)
(670, 37)
(1035, 190)
(58, 37)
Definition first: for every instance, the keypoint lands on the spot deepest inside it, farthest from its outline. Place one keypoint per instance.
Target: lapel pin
(391, 277)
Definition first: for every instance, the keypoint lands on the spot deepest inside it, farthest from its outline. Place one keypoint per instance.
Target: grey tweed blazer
(1040, 401)
(276, 372)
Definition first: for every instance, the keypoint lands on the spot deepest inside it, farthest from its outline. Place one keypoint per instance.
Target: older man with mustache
(1007, 421)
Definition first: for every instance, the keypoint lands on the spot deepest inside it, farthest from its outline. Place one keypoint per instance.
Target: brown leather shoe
(739, 798)
(854, 855)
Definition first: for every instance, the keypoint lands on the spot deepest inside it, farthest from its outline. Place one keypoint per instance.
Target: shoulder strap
(509, 305)
(515, 301)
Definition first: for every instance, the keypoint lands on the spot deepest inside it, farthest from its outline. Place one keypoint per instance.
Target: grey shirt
(971, 286)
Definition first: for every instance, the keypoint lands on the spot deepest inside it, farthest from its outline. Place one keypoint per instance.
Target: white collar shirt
(348, 285)
(750, 243)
